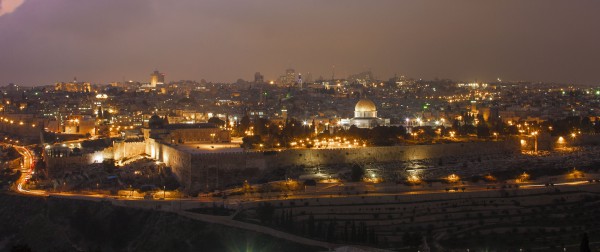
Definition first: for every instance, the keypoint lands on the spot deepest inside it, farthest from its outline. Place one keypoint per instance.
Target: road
(26, 172)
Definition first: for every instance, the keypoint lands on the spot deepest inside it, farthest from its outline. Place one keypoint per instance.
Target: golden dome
(365, 105)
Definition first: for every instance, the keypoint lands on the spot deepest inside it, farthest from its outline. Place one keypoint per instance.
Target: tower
(258, 78)
(284, 113)
(300, 81)
(156, 78)
(290, 76)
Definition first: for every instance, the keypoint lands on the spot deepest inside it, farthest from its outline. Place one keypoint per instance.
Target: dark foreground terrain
(51, 224)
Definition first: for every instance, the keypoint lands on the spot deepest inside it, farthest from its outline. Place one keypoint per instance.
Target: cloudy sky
(44, 41)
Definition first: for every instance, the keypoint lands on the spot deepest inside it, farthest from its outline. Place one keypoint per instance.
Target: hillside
(50, 224)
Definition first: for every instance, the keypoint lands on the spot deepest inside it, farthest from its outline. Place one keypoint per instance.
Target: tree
(245, 123)
(265, 212)
(249, 141)
(109, 165)
(585, 243)
(483, 130)
(412, 239)
(331, 231)
(357, 173)
(311, 225)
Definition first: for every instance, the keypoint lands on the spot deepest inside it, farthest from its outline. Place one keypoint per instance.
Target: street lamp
(212, 135)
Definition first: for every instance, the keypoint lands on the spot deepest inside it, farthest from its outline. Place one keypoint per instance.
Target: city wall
(60, 161)
(315, 157)
(124, 150)
(59, 165)
(179, 161)
(207, 171)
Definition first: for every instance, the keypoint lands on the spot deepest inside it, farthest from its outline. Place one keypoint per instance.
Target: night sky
(44, 41)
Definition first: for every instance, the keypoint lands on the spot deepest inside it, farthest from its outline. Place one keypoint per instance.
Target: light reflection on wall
(165, 157)
(98, 157)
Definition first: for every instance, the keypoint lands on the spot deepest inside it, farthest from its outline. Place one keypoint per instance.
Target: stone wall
(66, 162)
(179, 161)
(59, 166)
(124, 150)
(313, 157)
(218, 170)
(207, 171)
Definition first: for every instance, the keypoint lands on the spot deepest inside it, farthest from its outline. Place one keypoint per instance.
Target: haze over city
(44, 41)
(270, 125)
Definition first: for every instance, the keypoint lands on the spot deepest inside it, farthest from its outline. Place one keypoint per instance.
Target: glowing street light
(490, 178)
(453, 178)
(576, 174)
(413, 179)
(523, 178)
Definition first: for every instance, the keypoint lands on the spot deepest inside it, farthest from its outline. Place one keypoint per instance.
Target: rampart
(207, 171)
(60, 161)
(124, 150)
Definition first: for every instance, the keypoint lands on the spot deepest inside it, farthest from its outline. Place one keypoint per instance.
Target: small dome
(365, 105)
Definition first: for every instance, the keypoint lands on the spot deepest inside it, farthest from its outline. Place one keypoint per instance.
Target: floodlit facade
(365, 116)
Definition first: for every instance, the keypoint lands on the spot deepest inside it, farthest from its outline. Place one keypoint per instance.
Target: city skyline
(48, 41)
(269, 125)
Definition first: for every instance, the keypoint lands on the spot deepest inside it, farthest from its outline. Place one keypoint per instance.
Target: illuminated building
(161, 131)
(157, 78)
(365, 116)
(73, 86)
(289, 78)
(73, 125)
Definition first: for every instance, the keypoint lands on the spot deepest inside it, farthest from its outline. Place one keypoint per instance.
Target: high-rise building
(157, 78)
(259, 78)
(289, 79)
(300, 83)
(290, 76)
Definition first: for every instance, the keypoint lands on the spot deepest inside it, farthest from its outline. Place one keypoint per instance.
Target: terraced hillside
(544, 219)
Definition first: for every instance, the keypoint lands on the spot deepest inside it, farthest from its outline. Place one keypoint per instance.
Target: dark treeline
(264, 133)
